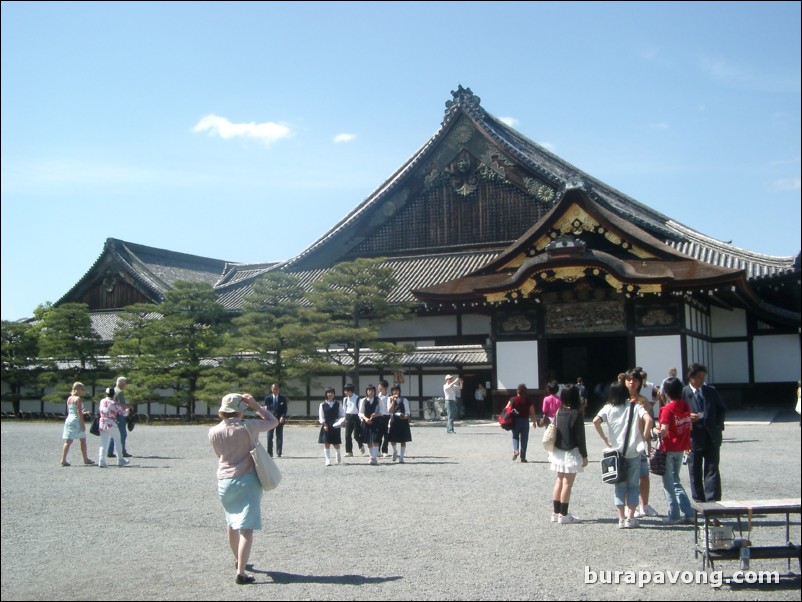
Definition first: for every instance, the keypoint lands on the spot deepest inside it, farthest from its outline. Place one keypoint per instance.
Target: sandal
(244, 579)
(65, 463)
(88, 462)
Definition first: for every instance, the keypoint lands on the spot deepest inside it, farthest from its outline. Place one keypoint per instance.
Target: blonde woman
(238, 485)
(74, 426)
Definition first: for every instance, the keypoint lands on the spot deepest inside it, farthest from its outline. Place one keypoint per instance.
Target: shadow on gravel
(287, 578)
(786, 582)
(741, 440)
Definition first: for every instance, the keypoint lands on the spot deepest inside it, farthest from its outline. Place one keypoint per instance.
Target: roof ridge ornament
(464, 99)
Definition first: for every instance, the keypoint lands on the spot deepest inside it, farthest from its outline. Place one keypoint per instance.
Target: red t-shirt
(677, 415)
(522, 404)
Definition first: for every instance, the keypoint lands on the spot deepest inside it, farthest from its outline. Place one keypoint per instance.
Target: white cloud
(344, 138)
(548, 146)
(510, 121)
(267, 132)
(787, 184)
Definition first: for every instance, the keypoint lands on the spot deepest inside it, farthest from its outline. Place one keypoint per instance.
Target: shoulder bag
(507, 418)
(266, 469)
(550, 436)
(612, 463)
(95, 427)
(657, 459)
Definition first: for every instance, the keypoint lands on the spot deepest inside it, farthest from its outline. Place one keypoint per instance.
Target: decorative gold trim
(569, 274)
(575, 220)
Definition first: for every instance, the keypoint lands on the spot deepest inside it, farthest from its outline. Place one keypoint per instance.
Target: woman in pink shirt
(551, 403)
(675, 430)
(237, 484)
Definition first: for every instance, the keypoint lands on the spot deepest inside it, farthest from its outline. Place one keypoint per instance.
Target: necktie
(700, 401)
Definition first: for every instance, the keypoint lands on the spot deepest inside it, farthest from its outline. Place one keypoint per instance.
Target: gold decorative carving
(657, 317)
(599, 316)
(519, 323)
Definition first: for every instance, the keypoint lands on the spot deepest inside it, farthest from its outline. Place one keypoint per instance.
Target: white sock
(339, 457)
(403, 450)
(374, 452)
(327, 453)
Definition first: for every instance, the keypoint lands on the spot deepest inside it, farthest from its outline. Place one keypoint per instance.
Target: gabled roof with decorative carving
(621, 254)
(524, 163)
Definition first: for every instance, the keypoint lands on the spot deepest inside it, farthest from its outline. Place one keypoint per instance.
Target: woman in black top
(570, 454)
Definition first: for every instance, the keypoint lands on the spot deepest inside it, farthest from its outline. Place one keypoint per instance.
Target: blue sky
(245, 131)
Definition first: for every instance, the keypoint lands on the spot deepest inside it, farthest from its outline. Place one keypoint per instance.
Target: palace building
(523, 269)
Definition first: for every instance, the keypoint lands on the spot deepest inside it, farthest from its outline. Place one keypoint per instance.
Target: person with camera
(238, 486)
(399, 431)
(451, 390)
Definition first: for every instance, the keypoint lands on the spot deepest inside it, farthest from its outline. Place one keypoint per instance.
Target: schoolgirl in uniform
(330, 412)
(371, 416)
(399, 431)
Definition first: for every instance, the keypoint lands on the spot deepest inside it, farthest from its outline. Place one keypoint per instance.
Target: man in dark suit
(277, 404)
(707, 417)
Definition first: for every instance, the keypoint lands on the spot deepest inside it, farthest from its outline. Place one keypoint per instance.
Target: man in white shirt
(353, 428)
(451, 390)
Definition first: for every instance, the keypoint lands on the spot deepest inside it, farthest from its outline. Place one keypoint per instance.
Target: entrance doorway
(598, 360)
(473, 408)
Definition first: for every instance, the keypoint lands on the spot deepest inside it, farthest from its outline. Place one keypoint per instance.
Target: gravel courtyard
(458, 521)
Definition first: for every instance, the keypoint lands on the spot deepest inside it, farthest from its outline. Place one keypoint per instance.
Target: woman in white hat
(237, 484)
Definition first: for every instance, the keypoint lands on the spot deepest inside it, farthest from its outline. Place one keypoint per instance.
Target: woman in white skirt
(570, 454)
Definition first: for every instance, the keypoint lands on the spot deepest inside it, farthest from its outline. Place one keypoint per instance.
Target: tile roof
(562, 175)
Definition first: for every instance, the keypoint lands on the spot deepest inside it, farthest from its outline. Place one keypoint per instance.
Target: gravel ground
(458, 521)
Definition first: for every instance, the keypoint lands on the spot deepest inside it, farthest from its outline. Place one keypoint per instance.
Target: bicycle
(434, 409)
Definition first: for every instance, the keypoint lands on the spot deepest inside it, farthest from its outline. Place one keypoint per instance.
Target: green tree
(350, 304)
(128, 355)
(182, 348)
(269, 341)
(68, 348)
(19, 351)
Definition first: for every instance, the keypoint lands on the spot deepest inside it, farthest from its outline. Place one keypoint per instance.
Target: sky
(244, 131)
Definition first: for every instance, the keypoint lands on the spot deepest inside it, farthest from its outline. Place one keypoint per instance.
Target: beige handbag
(266, 468)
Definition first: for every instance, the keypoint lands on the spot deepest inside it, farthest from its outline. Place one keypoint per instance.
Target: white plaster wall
(420, 327)
(475, 324)
(516, 363)
(699, 350)
(726, 323)
(657, 354)
(731, 361)
(776, 358)
(433, 384)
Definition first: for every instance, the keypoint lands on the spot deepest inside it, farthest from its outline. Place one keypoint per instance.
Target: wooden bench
(711, 511)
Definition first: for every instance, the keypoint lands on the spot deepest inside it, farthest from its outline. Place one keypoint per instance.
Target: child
(370, 414)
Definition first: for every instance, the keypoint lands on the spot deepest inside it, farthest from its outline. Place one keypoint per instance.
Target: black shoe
(127, 455)
(524, 460)
(110, 455)
(243, 579)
